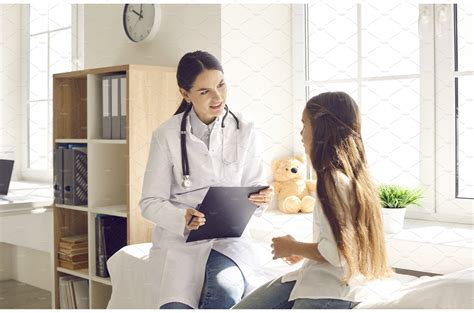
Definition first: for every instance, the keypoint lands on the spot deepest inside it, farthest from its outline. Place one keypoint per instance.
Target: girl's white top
(322, 280)
(232, 159)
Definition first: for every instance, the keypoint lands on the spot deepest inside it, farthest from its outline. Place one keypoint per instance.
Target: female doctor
(204, 144)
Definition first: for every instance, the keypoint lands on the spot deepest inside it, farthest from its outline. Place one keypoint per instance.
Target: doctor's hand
(283, 247)
(263, 197)
(194, 219)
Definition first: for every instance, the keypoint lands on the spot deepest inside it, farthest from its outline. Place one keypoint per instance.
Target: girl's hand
(283, 246)
(263, 197)
(292, 259)
(197, 219)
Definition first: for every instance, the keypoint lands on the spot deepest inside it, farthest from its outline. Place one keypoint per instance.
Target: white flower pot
(393, 219)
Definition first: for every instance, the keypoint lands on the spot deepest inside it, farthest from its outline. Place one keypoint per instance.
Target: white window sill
(431, 246)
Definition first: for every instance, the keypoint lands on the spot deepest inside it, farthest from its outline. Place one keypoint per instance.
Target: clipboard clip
(258, 191)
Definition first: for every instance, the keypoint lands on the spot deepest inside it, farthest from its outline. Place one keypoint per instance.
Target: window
(394, 60)
(52, 46)
(463, 19)
(454, 98)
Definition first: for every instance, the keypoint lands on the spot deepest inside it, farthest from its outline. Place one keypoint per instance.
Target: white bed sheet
(132, 285)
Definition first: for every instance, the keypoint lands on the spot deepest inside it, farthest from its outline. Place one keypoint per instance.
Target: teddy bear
(291, 187)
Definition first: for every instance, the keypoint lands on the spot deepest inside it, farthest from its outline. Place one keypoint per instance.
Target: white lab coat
(233, 159)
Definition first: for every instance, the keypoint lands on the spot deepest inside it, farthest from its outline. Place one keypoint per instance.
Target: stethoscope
(184, 154)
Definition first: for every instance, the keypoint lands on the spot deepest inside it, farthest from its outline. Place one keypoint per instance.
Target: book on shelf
(69, 245)
(74, 239)
(111, 236)
(71, 265)
(73, 258)
(73, 292)
(73, 252)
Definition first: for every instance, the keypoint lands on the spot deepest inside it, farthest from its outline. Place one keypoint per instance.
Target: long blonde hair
(337, 147)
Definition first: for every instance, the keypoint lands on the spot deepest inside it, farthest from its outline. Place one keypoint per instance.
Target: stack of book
(73, 253)
(73, 292)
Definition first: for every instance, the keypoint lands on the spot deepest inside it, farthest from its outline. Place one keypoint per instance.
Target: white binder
(123, 106)
(115, 107)
(106, 108)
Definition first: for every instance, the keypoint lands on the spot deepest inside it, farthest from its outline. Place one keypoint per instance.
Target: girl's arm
(287, 246)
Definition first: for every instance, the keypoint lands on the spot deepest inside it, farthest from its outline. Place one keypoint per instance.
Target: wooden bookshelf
(115, 166)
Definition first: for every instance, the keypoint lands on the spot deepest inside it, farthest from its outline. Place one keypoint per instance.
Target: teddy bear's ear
(275, 165)
(301, 158)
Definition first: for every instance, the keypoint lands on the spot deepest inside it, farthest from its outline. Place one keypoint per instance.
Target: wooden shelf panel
(109, 141)
(107, 174)
(115, 166)
(102, 280)
(65, 140)
(115, 210)
(69, 108)
(100, 294)
(83, 273)
(73, 207)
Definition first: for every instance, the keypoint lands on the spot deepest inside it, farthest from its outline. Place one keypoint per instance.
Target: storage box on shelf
(115, 167)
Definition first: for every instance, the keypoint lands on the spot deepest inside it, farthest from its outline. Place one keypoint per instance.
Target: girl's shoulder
(344, 186)
(342, 180)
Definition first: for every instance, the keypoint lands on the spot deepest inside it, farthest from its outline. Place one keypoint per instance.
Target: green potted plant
(394, 200)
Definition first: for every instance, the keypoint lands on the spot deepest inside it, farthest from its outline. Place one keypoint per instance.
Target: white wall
(10, 85)
(257, 59)
(183, 28)
(254, 43)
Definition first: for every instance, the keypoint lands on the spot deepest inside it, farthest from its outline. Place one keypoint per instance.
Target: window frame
(430, 156)
(447, 201)
(77, 50)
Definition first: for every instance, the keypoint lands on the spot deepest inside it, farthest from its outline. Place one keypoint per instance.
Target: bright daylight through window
(410, 67)
(50, 46)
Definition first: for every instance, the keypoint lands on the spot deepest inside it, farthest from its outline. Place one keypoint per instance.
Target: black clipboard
(227, 211)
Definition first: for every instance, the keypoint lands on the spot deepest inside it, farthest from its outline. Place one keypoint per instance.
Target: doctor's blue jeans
(224, 285)
(275, 295)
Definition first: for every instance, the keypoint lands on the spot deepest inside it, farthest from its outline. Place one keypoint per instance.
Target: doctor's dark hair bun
(190, 66)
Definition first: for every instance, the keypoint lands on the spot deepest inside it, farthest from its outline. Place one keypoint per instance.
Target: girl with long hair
(348, 251)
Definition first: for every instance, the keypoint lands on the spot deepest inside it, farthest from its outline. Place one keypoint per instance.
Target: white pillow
(451, 291)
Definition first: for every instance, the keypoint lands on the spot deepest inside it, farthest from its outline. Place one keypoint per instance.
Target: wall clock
(141, 22)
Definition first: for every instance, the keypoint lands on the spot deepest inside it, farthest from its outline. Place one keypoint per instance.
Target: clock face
(141, 21)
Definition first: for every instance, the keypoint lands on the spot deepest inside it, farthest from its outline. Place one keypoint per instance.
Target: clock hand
(139, 14)
(136, 24)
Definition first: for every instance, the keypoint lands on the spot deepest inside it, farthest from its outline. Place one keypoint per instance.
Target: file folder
(106, 108)
(115, 107)
(123, 106)
(58, 175)
(227, 211)
(75, 175)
